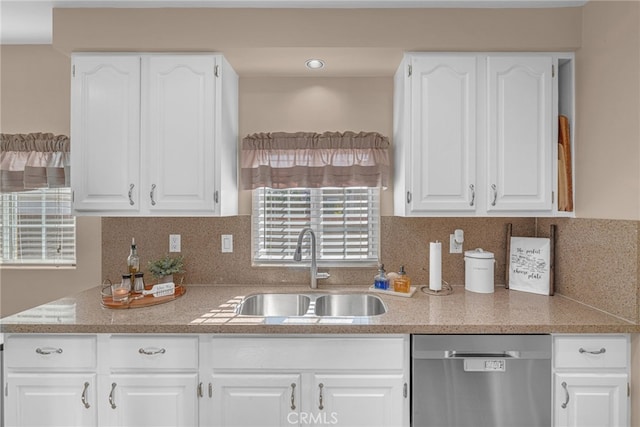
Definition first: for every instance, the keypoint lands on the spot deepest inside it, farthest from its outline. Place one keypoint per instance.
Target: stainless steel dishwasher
(481, 380)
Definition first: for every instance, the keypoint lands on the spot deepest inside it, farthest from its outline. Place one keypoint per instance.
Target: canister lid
(479, 253)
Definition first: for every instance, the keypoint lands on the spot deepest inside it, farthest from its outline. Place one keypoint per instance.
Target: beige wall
(34, 83)
(608, 111)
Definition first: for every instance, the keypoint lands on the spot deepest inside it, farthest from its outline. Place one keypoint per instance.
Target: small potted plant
(163, 269)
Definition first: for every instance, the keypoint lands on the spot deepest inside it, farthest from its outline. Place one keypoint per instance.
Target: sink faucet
(297, 256)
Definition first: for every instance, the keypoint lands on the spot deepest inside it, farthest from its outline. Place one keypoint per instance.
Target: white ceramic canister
(478, 271)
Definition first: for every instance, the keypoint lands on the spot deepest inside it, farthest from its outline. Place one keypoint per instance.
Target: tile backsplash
(596, 260)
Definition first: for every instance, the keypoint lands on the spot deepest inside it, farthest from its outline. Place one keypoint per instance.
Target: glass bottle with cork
(133, 261)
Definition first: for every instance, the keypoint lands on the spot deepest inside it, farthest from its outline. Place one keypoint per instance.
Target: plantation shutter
(345, 220)
(37, 227)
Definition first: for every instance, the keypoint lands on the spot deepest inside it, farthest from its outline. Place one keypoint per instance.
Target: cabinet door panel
(151, 400)
(520, 133)
(179, 140)
(443, 133)
(265, 400)
(359, 400)
(41, 400)
(591, 400)
(105, 133)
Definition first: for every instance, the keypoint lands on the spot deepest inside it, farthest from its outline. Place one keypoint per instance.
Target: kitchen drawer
(591, 351)
(296, 353)
(153, 352)
(56, 351)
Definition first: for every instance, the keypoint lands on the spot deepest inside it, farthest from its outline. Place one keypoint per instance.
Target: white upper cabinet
(105, 133)
(476, 133)
(519, 141)
(179, 113)
(443, 128)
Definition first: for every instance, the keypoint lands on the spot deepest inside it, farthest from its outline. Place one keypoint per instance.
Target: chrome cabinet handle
(84, 395)
(495, 194)
(48, 350)
(152, 351)
(473, 194)
(320, 406)
(408, 197)
(601, 351)
(215, 196)
(153, 189)
(112, 401)
(210, 390)
(199, 389)
(131, 194)
(566, 392)
(293, 396)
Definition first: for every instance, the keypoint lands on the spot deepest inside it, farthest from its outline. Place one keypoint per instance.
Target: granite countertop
(209, 309)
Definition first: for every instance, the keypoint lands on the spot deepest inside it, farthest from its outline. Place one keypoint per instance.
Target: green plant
(166, 266)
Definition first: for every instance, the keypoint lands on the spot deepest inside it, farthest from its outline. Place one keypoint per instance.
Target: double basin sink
(321, 305)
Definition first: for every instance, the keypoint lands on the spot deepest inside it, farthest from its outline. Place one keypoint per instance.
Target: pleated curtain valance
(33, 160)
(313, 160)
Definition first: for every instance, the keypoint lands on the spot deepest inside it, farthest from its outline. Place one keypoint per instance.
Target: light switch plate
(227, 243)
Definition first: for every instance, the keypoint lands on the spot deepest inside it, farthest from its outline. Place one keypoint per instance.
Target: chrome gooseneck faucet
(297, 256)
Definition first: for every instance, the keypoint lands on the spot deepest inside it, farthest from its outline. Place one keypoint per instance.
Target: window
(345, 221)
(37, 228)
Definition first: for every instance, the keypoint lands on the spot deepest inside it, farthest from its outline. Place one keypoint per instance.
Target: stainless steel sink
(349, 305)
(274, 305)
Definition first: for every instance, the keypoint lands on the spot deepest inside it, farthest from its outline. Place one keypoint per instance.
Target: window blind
(346, 222)
(38, 228)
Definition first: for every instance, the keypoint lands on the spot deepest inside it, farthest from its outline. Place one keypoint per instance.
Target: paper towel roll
(435, 266)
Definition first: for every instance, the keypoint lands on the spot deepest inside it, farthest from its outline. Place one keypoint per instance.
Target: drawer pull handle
(601, 351)
(112, 400)
(152, 351)
(566, 392)
(48, 350)
(320, 406)
(293, 396)
(84, 395)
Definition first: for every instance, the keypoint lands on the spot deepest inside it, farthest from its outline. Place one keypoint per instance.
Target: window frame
(54, 219)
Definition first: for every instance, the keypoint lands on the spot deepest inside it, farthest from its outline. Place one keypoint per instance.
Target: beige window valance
(34, 160)
(304, 159)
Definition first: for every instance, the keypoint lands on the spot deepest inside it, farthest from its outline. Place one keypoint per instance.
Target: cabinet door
(151, 400)
(105, 133)
(359, 400)
(250, 400)
(520, 129)
(583, 400)
(41, 400)
(443, 127)
(179, 132)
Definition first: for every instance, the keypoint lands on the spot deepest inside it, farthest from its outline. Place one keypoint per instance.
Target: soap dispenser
(402, 282)
(381, 281)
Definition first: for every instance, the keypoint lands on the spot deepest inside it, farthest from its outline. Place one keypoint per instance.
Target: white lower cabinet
(306, 381)
(150, 400)
(591, 380)
(42, 400)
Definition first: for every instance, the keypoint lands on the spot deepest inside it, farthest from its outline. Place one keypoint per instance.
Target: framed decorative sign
(530, 263)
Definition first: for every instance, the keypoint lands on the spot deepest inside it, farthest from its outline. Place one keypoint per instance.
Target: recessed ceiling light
(314, 64)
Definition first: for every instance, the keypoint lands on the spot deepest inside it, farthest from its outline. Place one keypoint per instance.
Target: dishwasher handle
(453, 354)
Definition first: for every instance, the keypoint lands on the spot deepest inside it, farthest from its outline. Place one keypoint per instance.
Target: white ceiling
(30, 21)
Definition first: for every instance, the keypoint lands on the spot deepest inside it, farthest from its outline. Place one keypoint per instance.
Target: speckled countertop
(209, 309)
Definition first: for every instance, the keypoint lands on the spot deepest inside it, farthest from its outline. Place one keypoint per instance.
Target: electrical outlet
(174, 243)
(227, 243)
(454, 247)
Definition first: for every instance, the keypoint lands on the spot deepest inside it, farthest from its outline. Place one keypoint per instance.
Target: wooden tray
(146, 301)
